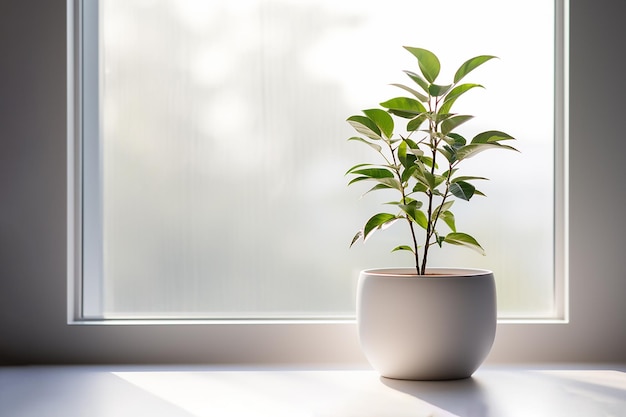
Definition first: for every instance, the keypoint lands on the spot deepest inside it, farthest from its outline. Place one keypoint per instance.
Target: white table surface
(175, 391)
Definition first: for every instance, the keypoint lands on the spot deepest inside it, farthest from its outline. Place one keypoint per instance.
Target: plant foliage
(422, 163)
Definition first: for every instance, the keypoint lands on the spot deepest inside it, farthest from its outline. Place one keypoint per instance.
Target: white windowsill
(176, 321)
(235, 391)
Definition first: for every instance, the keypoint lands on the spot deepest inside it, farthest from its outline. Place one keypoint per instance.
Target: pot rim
(435, 272)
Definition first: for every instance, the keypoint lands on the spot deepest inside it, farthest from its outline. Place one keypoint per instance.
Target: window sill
(235, 391)
(166, 322)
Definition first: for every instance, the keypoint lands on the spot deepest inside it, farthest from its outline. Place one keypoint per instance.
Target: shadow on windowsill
(463, 397)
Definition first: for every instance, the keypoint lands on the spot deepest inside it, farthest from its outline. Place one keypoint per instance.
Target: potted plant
(423, 322)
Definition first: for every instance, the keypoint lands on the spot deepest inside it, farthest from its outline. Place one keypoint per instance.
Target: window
(212, 147)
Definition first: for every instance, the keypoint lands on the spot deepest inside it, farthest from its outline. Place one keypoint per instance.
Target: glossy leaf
(454, 94)
(359, 179)
(374, 172)
(467, 178)
(470, 65)
(420, 188)
(415, 214)
(436, 90)
(472, 149)
(403, 247)
(421, 97)
(407, 158)
(401, 150)
(419, 80)
(357, 166)
(448, 219)
(463, 190)
(391, 182)
(431, 180)
(415, 123)
(356, 237)
(491, 136)
(440, 209)
(377, 187)
(404, 107)
(382, 120)
(428, 62)
(463, 239)
(377, 147)
(440, 117)
(411, 167)
(449, 153)
(452, 123)
(365, 126)
(458, 140)
(377, 221)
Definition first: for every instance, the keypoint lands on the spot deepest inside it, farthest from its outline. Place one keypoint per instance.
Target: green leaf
(365, 126)
(404, 107)
(357, 166)
(407, 159)
(410, 168)
(467, 178)
(431, 180)
(439, 239)
(402, 147)
(472, 149)
(455, 93)
(450, 172)
(463, 190)
(356, 237)
(415, 214)
(428, 62)
(448, 219)
(463, 239)
(440, 117)
(443, 207)
(380, 175)
(377, 187)
(374, 173)
(420, 187)
(391, 182)
(436, 90)
(377, 147)
(403, 247)
(382, 119)
(449, 153)
(378, 221)
(415, 123)
(470, 65)
(421, 97)
(418, 80)
(358, 179)
(491, 136)
(458, 140)
(452, 123)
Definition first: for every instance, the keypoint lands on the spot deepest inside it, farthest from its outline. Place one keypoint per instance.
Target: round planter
(431, 327)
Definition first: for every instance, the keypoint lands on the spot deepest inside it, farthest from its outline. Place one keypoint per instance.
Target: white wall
(33, 219)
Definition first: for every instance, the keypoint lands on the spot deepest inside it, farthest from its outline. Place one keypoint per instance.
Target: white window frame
(287, 341)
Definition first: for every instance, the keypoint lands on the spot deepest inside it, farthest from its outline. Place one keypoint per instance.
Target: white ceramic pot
(437, 326)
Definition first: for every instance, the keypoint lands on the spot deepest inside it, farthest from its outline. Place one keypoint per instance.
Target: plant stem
(431, 196)
(404, 201)
(430, 225)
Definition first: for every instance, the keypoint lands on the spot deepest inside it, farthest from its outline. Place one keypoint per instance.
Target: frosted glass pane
(223, 149)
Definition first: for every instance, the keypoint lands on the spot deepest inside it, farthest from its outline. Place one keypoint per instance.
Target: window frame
(221, 335)
(86, 187)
